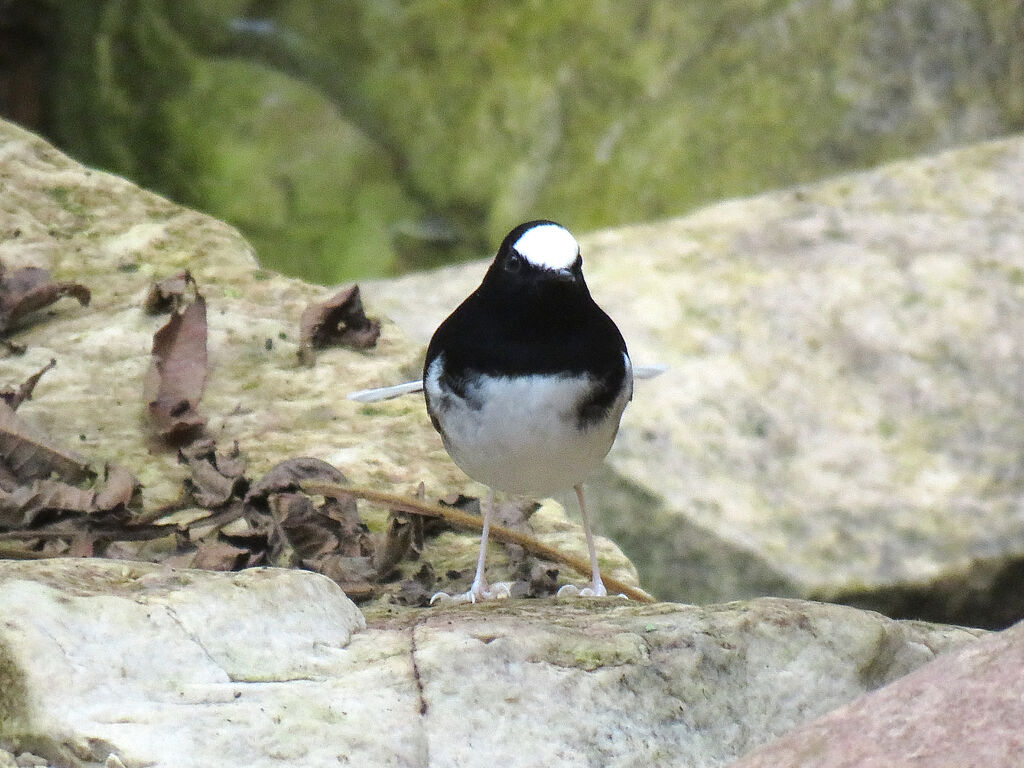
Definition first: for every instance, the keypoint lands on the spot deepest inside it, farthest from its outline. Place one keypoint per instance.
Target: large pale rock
(106, 656)
(100, 230)
(964, 709)
(842, 416)
(271, 668)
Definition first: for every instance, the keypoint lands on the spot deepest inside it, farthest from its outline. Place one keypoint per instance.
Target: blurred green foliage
(365, 138)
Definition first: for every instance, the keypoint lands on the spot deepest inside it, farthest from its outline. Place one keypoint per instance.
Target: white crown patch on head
(548, 246)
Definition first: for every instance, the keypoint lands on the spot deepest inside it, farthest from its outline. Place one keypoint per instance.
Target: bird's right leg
(479, 590)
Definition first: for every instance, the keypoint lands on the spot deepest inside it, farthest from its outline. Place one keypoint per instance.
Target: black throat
(533, 324)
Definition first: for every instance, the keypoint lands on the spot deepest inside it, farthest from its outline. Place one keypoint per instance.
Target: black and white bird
(527, 379)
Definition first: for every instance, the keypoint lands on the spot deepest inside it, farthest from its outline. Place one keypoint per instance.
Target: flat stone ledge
(268, 667)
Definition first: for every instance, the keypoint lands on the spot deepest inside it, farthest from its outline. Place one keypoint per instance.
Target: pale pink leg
(479, 589)
(596, 588)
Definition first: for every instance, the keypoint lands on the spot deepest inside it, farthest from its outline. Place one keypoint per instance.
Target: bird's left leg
(596, 588)
(479, 590)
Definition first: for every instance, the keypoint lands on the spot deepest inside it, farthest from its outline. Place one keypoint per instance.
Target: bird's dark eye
(514, 262)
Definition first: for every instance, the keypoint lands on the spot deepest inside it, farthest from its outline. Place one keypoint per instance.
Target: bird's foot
(594, 590)
(499, 590)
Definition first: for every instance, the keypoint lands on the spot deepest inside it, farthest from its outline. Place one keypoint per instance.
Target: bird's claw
(571, 590)
(499, 590)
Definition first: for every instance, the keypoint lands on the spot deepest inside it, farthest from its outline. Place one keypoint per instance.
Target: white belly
(523, 437)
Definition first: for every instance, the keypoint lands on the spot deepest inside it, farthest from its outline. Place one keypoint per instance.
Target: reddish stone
(962, 710)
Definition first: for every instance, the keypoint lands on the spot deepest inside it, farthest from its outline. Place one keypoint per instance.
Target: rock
(271, 667)
(302, 124)
(101, 231)
(963, 709)
(93, 649)
(838, 354)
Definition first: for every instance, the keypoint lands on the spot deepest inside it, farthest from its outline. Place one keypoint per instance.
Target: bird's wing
(386, 393)
(647, 371)
(410, 387)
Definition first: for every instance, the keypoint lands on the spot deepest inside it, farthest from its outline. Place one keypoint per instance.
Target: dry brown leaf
(209, 487)
(216, 477)
(303, 531)
(168, 295)
(252, 529)
(177, 374)
(219, 556)
(15, 397)
(232, 463)
(418, 590)
(344, 568)
(355, 575)
(289, 475)
(469, 504)
(353, 536)
(30, 288)
(543, 579)
(338, 321)
(395, 546)
(42, 501)
(28, 455)
(118, 489)
(300, 531)
(419, 535)
(8, 482)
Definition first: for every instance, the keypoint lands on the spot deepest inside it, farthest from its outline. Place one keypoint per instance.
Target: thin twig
(16, 553)
(472, 523)
(105, 532)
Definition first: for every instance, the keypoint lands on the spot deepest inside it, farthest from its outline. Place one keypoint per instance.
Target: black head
(537, 258)
(531, 314)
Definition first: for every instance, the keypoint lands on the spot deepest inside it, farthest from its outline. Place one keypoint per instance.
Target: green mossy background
(350, 139)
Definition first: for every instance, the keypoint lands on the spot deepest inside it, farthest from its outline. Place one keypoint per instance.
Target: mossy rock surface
(101, 231)
(841, 416)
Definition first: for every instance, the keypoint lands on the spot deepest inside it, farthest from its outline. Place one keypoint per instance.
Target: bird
(521, 336)
(526, 382)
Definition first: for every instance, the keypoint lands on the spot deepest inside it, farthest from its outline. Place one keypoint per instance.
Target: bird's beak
(564, 275)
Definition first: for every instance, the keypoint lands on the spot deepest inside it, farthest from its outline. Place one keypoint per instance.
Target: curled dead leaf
(355, 575)
(117, 491)
(289, 475)
(328, 537)
(304, 531)
(40, 502)
(395, 546)
(340, 321)
(177, 374)
(353, 536)
(543, 579)
(169, 294)
(219, 556)
(299, 531)
(418, 590)
(27, 289)
(28, 455)
(216, 477)
(15, 397)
